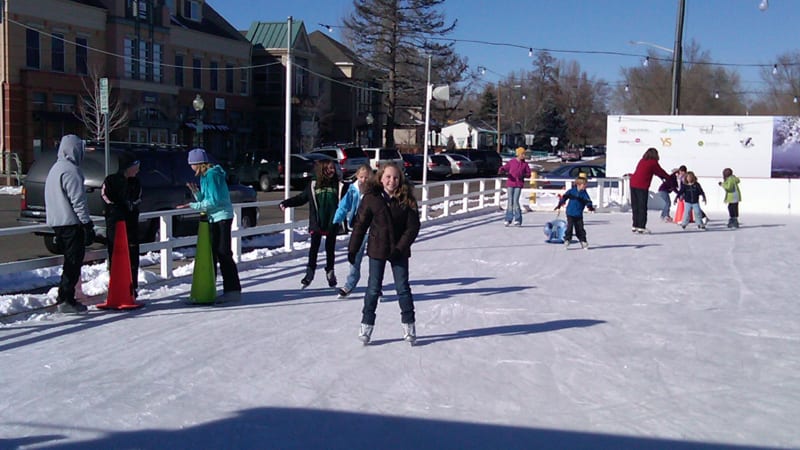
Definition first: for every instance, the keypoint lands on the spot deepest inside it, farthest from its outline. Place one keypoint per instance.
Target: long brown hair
(651, 153)
(404, 193)
(319, 173)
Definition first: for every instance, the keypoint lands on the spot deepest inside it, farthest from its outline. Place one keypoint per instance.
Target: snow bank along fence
(457, 196)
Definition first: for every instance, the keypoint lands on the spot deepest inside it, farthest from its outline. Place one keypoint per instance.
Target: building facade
(158, 56)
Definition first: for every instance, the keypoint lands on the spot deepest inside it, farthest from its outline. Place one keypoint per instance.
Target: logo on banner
(666, 142)
(747, 142)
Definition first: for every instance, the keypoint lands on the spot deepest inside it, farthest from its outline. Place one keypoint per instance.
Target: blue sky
(733, 31)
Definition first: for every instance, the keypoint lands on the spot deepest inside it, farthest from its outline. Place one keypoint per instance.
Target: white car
(460, 165)
(380, 156)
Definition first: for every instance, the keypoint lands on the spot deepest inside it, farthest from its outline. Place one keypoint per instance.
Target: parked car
(380, 156)
(257, 169)
(413, 166)
(163, 175)
(350, 157)
(460, 165)
(488, 162)
(438, 166)
(570, 154)
(556, 178)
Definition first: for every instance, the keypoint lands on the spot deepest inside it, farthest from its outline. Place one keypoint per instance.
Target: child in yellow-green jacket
(732, 196)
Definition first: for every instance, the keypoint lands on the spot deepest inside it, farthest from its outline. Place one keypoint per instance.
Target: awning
(209, 126)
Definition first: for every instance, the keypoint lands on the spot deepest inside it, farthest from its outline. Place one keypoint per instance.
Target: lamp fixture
(794, 100)
(716, 94)
(482, 70)
(646, 61)
(198, 103)
(627, 88)
(763, 5)
(530, 52)
(328, 27)
(775, 69)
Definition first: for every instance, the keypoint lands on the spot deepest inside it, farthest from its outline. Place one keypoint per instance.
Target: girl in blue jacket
(347, 209)
(213, 198)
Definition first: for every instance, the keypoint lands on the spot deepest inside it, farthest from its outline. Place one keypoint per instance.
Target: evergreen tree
(395, 37)
(550, 123)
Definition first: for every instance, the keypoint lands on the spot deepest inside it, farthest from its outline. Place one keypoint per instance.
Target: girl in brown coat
(389, 211)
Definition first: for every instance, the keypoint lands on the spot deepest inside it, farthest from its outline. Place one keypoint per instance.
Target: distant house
(473, 134)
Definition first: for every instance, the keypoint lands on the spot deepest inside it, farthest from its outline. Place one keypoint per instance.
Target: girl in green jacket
(732, 196)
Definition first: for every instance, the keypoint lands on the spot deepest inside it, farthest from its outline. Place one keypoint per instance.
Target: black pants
(577, 224)
(223, 255)
(733, 210)
(330, 250)
(131, 228)
(70, 239)
(639, 207)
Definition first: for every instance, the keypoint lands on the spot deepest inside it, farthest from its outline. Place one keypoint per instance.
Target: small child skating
(578, 199)
(730, 183)
(690, 192)
(348, 206)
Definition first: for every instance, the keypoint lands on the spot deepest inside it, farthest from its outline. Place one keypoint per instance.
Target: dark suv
(163, 175)
(488, 161)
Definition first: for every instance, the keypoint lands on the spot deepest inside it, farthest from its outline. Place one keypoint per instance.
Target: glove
(396, 254)
(591, 208)
(351, 258)
(88, 234)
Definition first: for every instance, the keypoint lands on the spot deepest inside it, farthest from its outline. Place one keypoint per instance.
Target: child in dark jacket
(389, 211)
(669, 186)
(323, 195)
(122, 195)
(578, 199)
(690, 192)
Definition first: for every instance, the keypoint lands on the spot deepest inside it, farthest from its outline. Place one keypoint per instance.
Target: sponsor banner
(704, 144)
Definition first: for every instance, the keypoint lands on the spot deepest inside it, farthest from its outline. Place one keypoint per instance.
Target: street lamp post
(198, 105)
(370, 119)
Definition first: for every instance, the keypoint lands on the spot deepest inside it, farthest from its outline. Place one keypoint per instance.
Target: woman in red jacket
(640, 187)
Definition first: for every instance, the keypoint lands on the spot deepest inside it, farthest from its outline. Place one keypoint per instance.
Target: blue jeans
(665, 210)
(377, 267)
(355, 269)
(687, 209)
(513, 210)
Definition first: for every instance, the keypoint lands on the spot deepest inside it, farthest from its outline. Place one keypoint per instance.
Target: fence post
(237, 240)
(481, 187)
(465, 201)
(447, 200)
(497, 186)
(165, 230)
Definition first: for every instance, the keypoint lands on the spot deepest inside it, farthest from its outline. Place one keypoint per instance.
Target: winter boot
(72, 308)
(343, 292)
(331, 276)
(735, 222)
(365, 334)
(309, 276)
(410, 333)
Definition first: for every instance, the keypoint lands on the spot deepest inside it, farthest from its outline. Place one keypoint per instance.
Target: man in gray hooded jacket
(68, 215)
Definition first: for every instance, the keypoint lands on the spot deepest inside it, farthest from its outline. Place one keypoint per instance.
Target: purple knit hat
(198, 156)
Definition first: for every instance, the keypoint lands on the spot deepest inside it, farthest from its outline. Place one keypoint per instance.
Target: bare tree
(89, 110)
(781, 96)
(706, 89)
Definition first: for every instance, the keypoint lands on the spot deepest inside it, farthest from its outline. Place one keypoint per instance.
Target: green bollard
(204, 289)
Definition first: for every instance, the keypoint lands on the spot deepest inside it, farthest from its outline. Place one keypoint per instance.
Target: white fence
(457, 196)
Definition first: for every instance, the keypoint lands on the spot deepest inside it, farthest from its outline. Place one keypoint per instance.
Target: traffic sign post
(104, 111)
(554, 142)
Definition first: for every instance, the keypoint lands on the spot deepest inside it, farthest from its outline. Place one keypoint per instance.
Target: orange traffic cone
(680, 210)
(120, 292)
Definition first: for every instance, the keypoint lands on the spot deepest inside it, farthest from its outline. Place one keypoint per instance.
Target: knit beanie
(198, 156)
